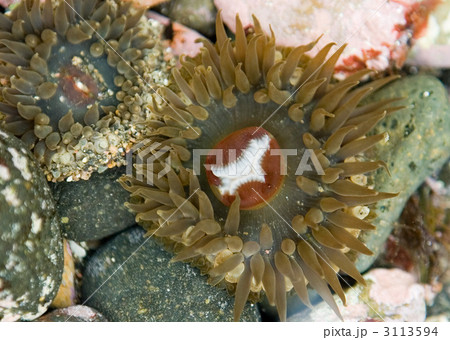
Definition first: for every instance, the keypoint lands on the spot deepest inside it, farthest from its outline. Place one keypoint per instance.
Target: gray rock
(31, 252)
(197, 14)
(93, 209)
(419, 144)
(131, 279)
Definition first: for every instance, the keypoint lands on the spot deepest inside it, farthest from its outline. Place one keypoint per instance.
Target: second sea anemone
(76, 77)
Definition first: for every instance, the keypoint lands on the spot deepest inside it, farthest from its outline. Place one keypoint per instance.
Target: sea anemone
(76, 76)
(279, 221)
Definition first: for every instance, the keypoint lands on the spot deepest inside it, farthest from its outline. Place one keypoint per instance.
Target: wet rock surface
(419, 144)
(93, 209)
(147, 287)
(31, 256)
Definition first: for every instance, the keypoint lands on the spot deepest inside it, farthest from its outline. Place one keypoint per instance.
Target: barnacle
(76, 78)
(272, 225)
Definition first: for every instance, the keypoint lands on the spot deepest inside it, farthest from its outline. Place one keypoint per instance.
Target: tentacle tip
(318, 38)
(272, 33)
(255, 18)
(174, 260)
(309, 305)
(148, 234)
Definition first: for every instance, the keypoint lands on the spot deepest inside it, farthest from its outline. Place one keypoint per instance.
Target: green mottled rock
(93, 209)
(31, 252)
(150, 288)
(419, 144)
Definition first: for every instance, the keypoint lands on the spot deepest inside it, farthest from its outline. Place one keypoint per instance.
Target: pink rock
(183, 40)
(6, 3)
(433, 48)
(397, 294)
(390, 295)
(78, 313)
(377, 31)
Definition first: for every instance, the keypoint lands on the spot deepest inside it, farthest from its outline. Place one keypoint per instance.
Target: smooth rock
(199, 15)
(419, 144)
(77, 313)
(93, 209)
(31, 252)
(131, 279)
(390, 295)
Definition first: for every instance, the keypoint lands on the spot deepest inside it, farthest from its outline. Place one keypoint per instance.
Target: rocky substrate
(31, 256)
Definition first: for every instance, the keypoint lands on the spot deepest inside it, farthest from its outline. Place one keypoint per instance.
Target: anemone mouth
(302, 235)
(247, 163)
(79, 88)
(75, 81)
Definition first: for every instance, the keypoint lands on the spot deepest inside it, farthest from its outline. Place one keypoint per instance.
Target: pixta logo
(249, 161)
(147, 160)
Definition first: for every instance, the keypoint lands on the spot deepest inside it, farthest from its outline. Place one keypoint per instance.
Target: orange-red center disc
(246, 162)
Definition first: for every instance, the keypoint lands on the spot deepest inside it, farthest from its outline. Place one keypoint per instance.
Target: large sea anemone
(76, 78)
(275, 222)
